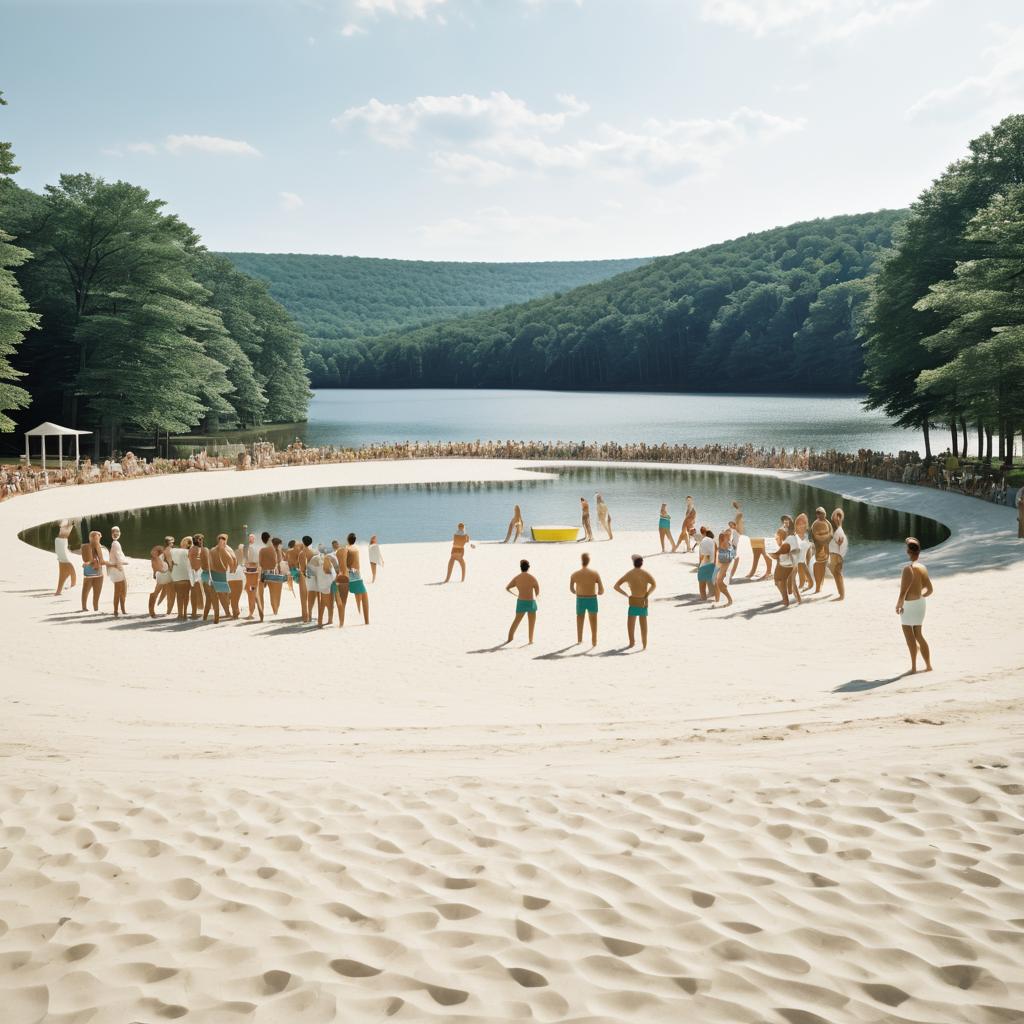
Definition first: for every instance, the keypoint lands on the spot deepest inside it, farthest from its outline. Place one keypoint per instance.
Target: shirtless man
(222, 561)
(266, 559)
(527, 590)
(641, 585)
(304, 557)
(689, 530)
(821, 534)
(915, 586)
(458, 556)
(586, 584)
(356, 586)
(588, 533)
(205, 579)
(340, 580)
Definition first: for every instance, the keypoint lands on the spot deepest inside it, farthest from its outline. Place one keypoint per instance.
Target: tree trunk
(963, 430)
(981, 440)
(988, 445)
(956, 437)
(927, 442)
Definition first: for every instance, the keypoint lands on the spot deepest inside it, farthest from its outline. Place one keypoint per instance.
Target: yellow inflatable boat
(554, 534)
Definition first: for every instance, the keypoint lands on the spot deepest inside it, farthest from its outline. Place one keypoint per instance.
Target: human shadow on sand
(859, 685)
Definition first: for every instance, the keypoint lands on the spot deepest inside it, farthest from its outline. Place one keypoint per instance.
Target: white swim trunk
(115, 575)
(913, 613)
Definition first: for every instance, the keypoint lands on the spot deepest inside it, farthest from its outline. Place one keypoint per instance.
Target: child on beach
(376, 558)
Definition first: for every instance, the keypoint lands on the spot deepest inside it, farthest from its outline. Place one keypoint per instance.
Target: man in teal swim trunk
(527, 590)
(586, 584)
(641, 585)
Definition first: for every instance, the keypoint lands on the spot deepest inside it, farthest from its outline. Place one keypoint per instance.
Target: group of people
(193, 578)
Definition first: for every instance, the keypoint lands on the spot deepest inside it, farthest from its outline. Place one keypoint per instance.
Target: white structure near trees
(45, 430)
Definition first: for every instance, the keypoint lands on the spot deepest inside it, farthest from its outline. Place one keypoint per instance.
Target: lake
(357, 417)
(429, 512)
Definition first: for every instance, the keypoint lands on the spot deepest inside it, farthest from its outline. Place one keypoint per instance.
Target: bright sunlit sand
(759, 818)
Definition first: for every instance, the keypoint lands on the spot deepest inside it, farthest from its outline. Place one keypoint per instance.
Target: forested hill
(771, 311)
(344, 297)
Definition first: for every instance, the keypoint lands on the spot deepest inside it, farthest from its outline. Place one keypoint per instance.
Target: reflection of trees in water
(325, 512)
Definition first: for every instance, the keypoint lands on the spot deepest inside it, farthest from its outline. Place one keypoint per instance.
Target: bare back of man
(586, 584)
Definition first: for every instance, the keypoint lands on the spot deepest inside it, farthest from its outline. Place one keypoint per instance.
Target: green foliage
(15, 320)
(772, 311)
(907, 338)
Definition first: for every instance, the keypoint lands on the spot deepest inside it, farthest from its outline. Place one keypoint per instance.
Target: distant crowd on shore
(946, 472)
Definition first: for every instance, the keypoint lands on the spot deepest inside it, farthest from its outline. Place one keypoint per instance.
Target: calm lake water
(348, 417)
(429, 512)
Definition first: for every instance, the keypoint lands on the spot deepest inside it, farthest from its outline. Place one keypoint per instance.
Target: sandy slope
(756, 820)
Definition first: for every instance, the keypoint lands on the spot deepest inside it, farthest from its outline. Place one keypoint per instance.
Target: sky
(504, 129)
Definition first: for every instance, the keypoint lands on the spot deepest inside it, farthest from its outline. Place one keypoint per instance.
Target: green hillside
(339, 298)
(772, 311)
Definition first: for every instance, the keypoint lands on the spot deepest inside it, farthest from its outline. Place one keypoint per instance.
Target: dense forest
(772, 311)
(944, 331)
(114, 317)
(337, 299)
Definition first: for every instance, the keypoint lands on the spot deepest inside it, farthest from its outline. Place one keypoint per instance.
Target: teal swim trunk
(219, 581)
(586, 604)
(637, 613)
(706, 572)
(664, 524)
(355, 582)
(525, 607)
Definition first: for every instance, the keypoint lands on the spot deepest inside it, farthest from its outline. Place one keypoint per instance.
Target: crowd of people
(945, 472)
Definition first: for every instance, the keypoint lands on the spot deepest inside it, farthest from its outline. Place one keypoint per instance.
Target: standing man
(915, 586)
(306, 553)
(527, 590)
(821, 534)
(586, 584)
(588, 533)
(641, 585)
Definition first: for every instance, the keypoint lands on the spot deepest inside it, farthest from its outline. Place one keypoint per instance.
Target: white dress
(115, 570)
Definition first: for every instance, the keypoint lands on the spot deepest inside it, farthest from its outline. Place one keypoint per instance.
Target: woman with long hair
(65, 565)
(515, 525)
(116, 565)
(94, 559)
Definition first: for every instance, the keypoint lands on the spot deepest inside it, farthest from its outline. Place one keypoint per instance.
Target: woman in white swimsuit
(65, 565)
(838, 547)
(181, 576)
(161, 577)
(116, 565)
(915, 587)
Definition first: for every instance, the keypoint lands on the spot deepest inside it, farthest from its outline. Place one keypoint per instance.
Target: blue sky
(505, 129)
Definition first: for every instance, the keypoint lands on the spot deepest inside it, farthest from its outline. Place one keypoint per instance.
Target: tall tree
(15, 317)
(926, 252)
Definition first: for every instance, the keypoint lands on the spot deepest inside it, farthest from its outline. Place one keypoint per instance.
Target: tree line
(338, 299)
(129, 323)
(944, 330)
(772, 311)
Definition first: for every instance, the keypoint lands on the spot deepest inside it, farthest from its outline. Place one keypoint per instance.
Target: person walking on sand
(665, 527)
(689, 531)
(821, 535)
(838, 546)
(527, 590)
(376, 558)
(116, 566)
(787, 550)
(515, 526)
(458, 556)
(726, 555)
(915, 587)
(641, 585)
(65, 565)
(604, 517)
(356, 586)
(586, 584)
(707, 551)
(588, 533)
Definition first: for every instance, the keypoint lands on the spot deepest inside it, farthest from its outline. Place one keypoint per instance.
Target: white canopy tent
(45, 430)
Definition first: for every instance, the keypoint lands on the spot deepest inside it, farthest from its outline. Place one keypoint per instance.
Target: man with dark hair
(641, 585)
(586, 584)
(915, 586)
(527, 590)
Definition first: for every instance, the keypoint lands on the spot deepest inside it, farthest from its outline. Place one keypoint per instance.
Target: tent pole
(28, 456)
(60, 452)
(76, 451)
(43, 439)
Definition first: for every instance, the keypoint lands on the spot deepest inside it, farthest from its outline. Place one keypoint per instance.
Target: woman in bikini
(116, 565)
(276, 576)
(458, 556)
(65, 565)
(726, 555)
(94, 559)
(515, 526)
(604, 517)
(665, 527)
(689, 530)
(356, 586)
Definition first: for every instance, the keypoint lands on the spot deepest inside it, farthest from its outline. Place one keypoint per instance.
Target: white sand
(755, 820)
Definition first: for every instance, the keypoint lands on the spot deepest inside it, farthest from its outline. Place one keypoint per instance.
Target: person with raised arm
(458, 556)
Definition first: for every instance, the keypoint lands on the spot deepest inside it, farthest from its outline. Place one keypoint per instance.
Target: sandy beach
(760, 818)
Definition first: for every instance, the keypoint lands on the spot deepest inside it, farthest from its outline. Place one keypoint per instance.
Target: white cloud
(821, 20)
(401, 8)
(461, 117)
(209, 144)
(291, 201)
(487, 140)
(998, 90)
(352, 29)
(141, 147)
